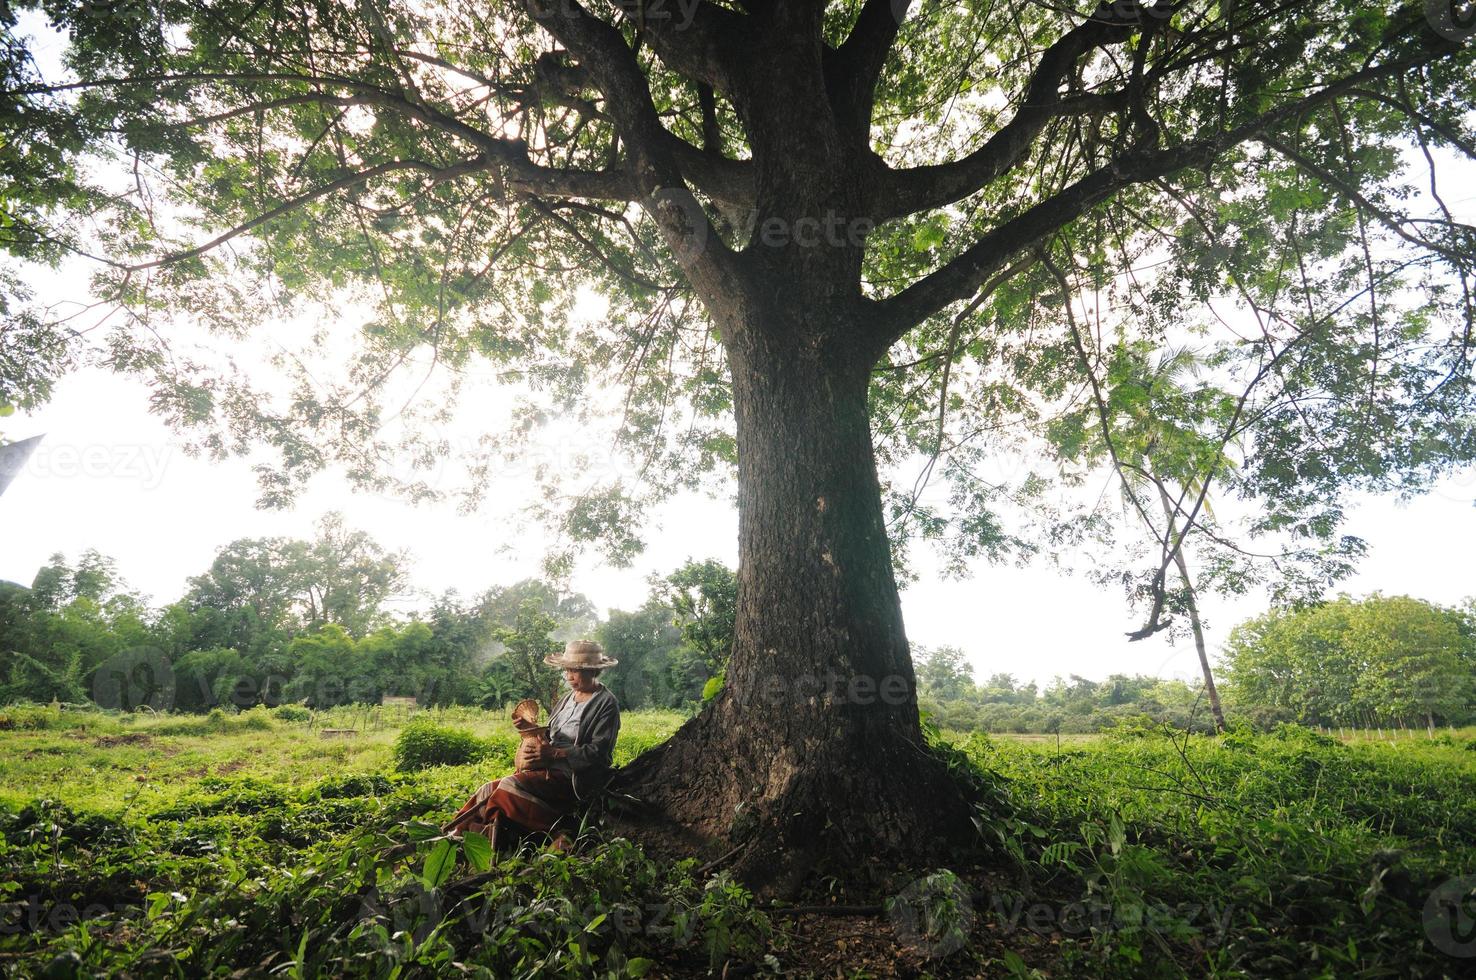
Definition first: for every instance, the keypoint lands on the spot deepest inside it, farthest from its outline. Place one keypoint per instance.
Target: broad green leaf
(478, 850)
(439, 864)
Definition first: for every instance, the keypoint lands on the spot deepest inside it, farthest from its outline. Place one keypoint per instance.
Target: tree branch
(697, 40)
(852, 69)
(921, 188)
(1365, 206)
(959, 277)
(721, 178)
(613, 67)
(437, 174)
(610, 184)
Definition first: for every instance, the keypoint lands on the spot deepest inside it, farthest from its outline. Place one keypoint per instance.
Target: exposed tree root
(781, 818)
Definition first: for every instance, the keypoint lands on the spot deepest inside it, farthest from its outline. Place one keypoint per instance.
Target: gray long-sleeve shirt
(592, 752)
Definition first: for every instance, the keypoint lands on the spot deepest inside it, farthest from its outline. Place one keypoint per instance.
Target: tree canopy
(465, 176)
(827, 237)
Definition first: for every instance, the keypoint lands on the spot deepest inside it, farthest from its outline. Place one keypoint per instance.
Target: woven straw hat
(580, 655)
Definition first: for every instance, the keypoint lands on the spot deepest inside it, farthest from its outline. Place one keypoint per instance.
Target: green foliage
(1070, 706)
(650, 648)
(713, 687)
(1265, 157)
(259, 588)
(527, 641)
(423, 744)
(1241, 855)
(1378, 661)
(704, 598)
(674, 649)
(72, 621)
(1153, 855)
(944, 674)
(246, 633)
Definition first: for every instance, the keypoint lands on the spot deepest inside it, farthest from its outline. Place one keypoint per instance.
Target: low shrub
(25, 720)
(423, 744)
(292, 713)
(258, 719)
(348, 787)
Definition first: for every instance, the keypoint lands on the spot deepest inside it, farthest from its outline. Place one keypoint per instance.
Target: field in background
(106, 760)
(1392, 736)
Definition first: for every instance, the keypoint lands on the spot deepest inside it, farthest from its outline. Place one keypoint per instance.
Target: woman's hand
(527, 757)
(538, 754)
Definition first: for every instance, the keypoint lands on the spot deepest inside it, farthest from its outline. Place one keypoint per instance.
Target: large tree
(1383, 660)
(257, 590)
(829, 234)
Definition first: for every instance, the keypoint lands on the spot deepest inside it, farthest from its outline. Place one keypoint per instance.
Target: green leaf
(419, 830)
(478, 850)
(929, 235)
(439, 864)
(713, 686)
(637, 966)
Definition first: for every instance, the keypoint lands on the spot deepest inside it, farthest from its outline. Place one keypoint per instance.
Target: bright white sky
(110, 476)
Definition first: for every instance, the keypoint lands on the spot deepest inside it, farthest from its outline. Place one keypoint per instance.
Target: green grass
(1311, 857)
(106, 760)
(193, 845)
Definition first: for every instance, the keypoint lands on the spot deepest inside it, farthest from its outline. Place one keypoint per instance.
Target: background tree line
(276, 619)
(1383, 661)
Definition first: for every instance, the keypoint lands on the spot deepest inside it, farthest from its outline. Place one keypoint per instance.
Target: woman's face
(579, 680)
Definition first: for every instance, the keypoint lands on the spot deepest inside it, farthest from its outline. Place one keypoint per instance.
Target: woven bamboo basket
(525, 720)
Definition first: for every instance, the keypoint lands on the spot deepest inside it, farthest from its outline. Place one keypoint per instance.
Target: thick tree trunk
(812, 754)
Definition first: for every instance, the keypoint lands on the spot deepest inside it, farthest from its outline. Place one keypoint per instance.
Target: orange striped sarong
(533, 799)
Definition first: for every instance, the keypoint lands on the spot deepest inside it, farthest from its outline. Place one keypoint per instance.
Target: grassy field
(111, 762)
(249, 844)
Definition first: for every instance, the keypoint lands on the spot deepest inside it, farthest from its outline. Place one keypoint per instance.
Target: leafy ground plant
(127, 846)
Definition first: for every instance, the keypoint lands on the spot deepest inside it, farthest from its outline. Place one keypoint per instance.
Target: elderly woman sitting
(552, 777)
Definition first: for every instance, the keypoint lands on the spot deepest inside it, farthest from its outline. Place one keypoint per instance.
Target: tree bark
(812, 754)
